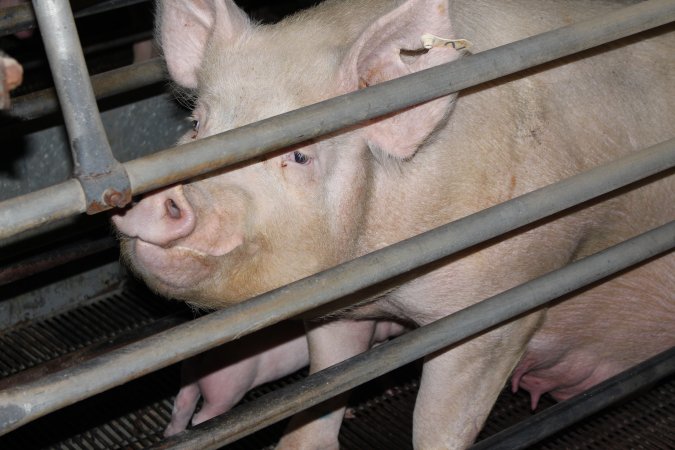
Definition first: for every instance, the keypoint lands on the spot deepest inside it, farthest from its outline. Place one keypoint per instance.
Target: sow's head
(238, 233)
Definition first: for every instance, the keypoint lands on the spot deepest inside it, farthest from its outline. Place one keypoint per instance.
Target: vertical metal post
(103, 179)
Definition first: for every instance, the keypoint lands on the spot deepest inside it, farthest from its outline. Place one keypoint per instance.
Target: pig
(223, 375)
(219, 240)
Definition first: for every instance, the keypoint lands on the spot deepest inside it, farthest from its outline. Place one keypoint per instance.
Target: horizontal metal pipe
(21, 17)
(56, 202)
(564, 414)
(107, 84)
(405, 349)
(199, 157)
(254, 140)
(53, 258)
(27, 402)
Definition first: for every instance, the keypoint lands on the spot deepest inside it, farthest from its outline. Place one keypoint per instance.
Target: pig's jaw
(174, 271)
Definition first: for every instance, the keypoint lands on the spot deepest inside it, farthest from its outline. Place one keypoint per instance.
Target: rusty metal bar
(105, 85)
(25, 402)
(560, 416)
(103, 178)
(197, 158)
(411, 346)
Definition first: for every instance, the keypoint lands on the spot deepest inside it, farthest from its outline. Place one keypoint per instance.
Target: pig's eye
(300, 158)
(195, 128)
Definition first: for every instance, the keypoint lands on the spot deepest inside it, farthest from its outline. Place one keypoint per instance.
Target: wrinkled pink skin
(223, 375)
(222, 239)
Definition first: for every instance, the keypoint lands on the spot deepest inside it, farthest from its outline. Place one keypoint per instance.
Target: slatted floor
(380, 417)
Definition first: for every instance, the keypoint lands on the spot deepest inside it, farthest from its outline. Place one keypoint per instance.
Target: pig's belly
(601, 332)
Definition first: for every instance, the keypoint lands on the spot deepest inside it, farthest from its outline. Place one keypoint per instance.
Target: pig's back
(598, 108)
(525, 132)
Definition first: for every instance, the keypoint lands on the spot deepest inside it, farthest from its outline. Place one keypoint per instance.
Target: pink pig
(223, 375)
(222, 239)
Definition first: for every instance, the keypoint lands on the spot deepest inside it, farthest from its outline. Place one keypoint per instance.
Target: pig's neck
(410, 197)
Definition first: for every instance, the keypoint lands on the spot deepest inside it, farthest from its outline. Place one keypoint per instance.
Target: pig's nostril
(172, 209)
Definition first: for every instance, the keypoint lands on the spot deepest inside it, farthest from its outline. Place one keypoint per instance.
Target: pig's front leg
(329, 344)
(460, 385)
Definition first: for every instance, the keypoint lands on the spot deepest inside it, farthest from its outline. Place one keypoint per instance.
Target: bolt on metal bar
(413, 345)
(200, 157)
(564, 414)
(107, 84)
(21, 17)
(103, 178)
(26, 402)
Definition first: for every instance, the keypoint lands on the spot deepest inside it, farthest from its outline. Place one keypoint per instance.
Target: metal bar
(564, 414)
(53, 258)
(57, 202)
(442, 333)
(21, 17)
(103, 178)
(105, 85)
(254, 140)
(27, 402)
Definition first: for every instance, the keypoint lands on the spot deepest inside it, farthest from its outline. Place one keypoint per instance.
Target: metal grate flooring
(134, 415)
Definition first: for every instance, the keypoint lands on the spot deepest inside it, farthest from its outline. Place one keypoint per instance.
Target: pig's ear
(390, 48)
(185, 28)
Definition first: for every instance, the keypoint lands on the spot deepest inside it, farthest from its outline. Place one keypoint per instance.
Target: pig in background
(222, 239)
(223, 375)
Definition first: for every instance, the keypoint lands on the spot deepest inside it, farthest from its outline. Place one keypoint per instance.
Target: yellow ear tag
(429, 41)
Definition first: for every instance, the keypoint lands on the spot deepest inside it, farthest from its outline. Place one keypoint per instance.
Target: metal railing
(196, 158)
(28, 401)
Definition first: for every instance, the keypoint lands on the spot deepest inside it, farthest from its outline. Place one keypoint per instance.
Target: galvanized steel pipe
(104, 180)
(321, 386)
(254, 140)
(29, 401)
(107, 84)
(56, 203)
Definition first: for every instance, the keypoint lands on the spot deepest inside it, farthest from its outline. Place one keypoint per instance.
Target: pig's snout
(160, 218)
